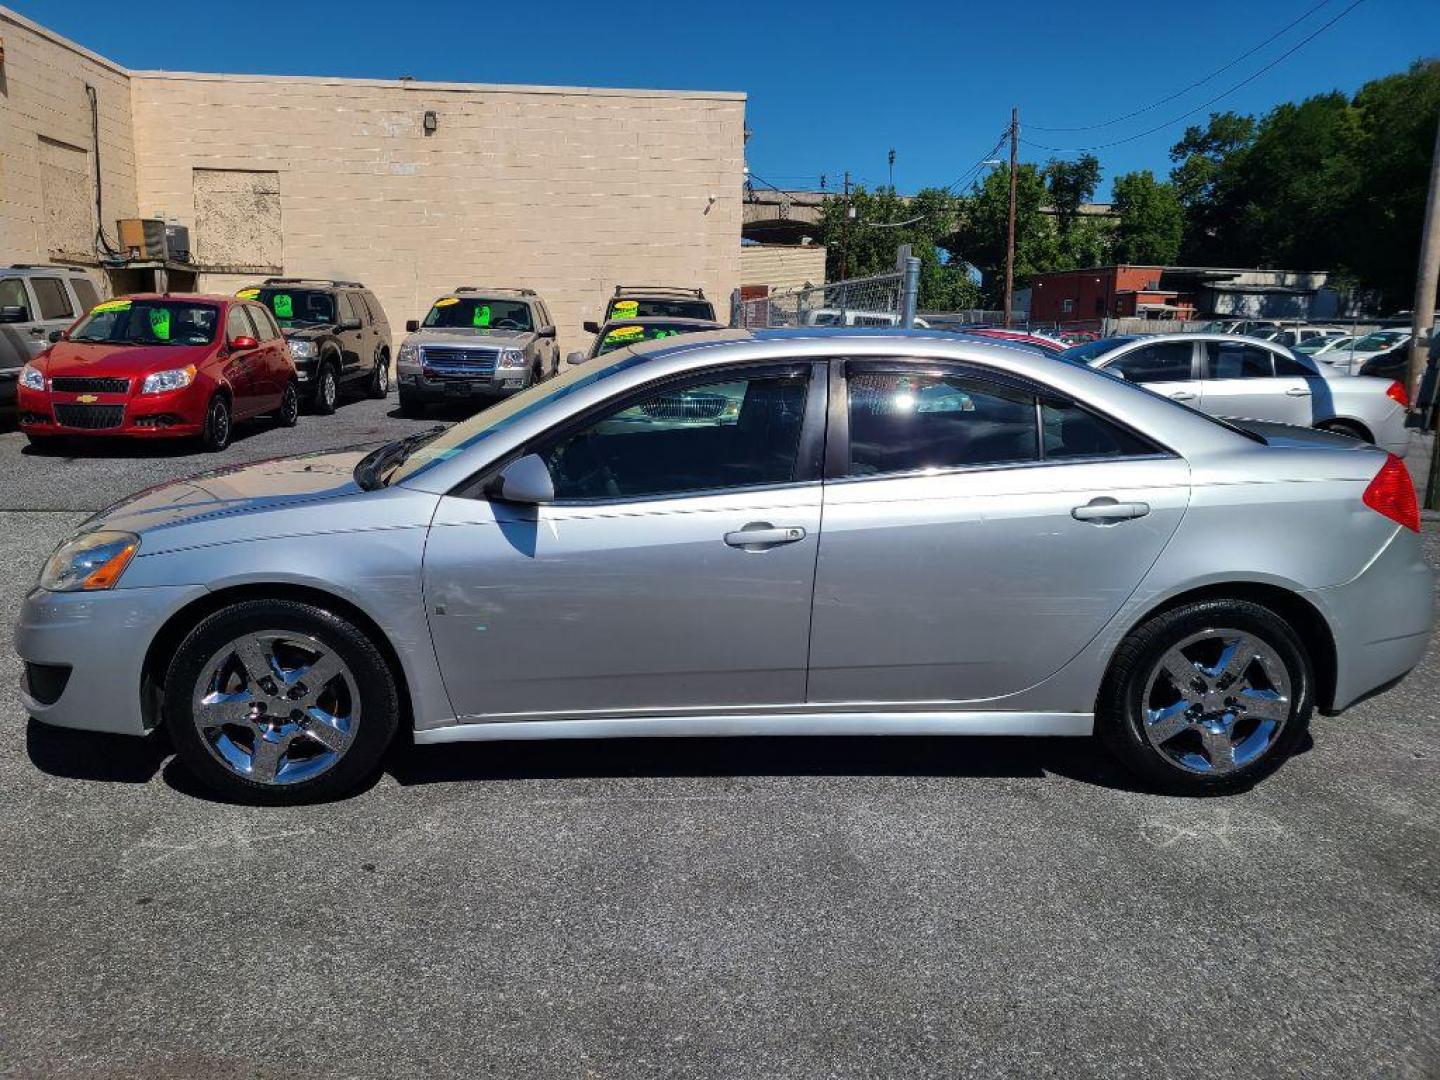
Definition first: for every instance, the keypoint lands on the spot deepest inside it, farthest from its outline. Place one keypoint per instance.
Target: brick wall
(47, 160)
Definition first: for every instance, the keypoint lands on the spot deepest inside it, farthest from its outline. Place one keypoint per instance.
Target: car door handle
(1297, 391)
(1106, 509)
(760, 535)
(1182, 395)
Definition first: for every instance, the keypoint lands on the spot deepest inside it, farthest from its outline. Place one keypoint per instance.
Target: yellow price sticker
(247, 294)
(110, 305)
(620, 333)
(449, 301)
(625, 309)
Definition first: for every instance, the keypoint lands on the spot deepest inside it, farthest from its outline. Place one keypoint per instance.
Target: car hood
(308, 333)
(266, 498)
(76, 358)
(460, 335)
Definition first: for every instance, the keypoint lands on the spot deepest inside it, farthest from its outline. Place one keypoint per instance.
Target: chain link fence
(871, 301)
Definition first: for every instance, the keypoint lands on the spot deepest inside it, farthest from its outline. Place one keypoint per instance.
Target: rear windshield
(1083, 354)
(618, 337)
(299, 307)
(479, 313)
(149, 322)
(659, 308)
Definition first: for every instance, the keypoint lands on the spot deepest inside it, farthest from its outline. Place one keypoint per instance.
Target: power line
(1199, 82)
(1204, 105)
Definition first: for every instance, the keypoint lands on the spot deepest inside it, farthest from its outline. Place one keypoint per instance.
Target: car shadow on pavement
(89, 755)
(1024, 758)
(78, 446)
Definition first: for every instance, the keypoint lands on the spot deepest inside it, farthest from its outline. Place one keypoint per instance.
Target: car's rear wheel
(380, 377)
(219, 426)
(273, 702)
(327, 387)
(288, 415)
(1207, 698)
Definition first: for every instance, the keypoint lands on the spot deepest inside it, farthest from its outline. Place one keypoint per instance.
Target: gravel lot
(726, 908)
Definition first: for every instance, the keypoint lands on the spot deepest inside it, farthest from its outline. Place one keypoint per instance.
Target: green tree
(1151, 220)
(980, 238)
(1202, 158)
(1079, 241)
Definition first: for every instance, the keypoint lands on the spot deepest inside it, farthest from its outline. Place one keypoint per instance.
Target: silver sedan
(812, 532)
(1245, 378)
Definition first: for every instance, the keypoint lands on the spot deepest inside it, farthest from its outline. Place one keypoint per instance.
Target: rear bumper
(1381, 620)
(101, 638)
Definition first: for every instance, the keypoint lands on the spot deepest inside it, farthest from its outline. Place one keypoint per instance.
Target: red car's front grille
(90, 417)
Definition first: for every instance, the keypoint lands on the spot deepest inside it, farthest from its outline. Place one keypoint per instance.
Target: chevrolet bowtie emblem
(87, 399)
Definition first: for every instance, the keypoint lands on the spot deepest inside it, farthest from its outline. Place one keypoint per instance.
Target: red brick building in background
(1178, 292)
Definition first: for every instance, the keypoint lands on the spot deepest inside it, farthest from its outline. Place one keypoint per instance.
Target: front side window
(739, 432)
(1164, 361)
(12, 295)
(479, 313)
(1227, 360)
(149, 322)
(904, 422)
(51, 297)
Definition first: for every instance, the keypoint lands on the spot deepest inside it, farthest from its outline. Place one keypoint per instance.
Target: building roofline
(12, 16)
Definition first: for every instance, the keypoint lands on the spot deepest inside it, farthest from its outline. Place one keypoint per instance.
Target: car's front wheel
(288, 415)
(219, 425)
(380, 377)
(1207, 698)
(274, 702)
(327, 387)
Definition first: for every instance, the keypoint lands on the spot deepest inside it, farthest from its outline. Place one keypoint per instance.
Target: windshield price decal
(625, 309)
(620, 333)
(482, 315)
(247, 294)
(110, 305)
(284, 306)
(160, 323)
(449, 301)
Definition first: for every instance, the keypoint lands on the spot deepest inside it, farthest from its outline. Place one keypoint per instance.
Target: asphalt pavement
(711, 908)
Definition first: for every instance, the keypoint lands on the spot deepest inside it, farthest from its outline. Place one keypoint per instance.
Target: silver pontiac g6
(735, 533)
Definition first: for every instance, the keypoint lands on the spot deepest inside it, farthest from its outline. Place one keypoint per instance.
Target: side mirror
(575, 358)
(14, 314)
(57, 336)
(547, 331)
(591, 326)
(242, 342)
(411, 325)
(526, 481)
(348, 324)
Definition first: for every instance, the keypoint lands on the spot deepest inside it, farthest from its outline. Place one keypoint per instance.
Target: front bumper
(1381, 620)
(102, 638)
(173, 415)
(416, 385)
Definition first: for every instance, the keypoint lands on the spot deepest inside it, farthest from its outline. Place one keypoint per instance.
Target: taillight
(1391, 493)
(1397, 394)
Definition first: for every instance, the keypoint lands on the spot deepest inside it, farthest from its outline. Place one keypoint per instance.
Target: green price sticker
(482, 315)
(160, 323)
(284, 306)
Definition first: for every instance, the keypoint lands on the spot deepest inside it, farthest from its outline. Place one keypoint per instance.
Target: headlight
(302, 350)
(511, 358)
(31, 379)
(409, 353)
(89, 562)
(162, 381)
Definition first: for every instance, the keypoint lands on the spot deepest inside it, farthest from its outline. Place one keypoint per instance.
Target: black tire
(409, 406)
(537, 375)
(219, 425)
(1345, 427)
(379, 385)
(288, 415)
(327, 387)
(48, 444)
(379, 697)
(1121, 707)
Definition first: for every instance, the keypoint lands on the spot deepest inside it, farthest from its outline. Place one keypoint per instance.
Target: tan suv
(34, 301)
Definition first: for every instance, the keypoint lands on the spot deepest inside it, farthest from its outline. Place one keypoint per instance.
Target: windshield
(619, 337)
(1377, 341)
(479, 313)
(149, 322)
(658, 308)
(299, 307)
(1084, 354)
(498, 417)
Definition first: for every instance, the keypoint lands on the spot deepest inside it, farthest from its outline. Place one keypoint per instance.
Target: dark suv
(654, 302)
(337, 335)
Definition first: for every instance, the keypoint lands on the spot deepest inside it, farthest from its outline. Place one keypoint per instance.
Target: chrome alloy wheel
(1217, 701)
(276, 707)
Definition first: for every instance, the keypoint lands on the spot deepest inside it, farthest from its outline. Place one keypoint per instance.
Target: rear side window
(1164, 361)
(1287, 367)
(237, 325)
(85, 292)
(1226, 360)
(1069, 431)
(265, 328)
(343, 307)
(50, 295)
(903, 422)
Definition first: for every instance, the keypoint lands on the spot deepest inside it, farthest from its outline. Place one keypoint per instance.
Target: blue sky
(832, 86)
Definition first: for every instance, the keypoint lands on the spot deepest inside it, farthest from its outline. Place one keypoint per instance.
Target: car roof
(208, 298)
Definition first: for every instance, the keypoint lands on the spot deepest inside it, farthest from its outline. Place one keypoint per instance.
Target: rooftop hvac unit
(177, 242)
(142, 238)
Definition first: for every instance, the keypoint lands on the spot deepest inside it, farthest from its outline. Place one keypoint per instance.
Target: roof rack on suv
(47, 266)
(332, 282)
(621, 290)
(494, 292)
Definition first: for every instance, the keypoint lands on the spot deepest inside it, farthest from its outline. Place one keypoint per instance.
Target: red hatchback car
(160, 366)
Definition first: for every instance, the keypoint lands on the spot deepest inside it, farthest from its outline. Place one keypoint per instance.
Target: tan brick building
(565, 190)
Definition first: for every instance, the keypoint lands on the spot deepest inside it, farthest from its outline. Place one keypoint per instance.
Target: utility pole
(845, 231)
(1010, 235)
(1427, 280)
(892, 168)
